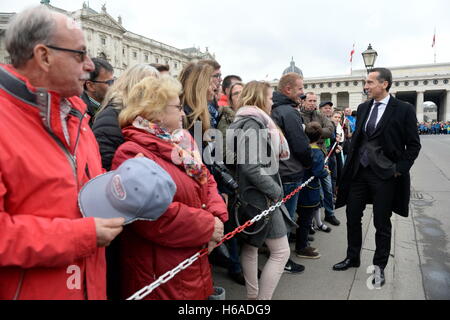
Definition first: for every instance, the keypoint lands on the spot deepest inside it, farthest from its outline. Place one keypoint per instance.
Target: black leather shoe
(333, 220)
(237, 277)
(347, 263)
(378, 279)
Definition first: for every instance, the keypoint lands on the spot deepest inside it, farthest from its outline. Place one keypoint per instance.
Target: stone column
(447, 106)
(419, 106)
(334, 99)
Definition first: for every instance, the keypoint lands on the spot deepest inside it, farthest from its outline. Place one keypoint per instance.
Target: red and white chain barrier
(141, 294)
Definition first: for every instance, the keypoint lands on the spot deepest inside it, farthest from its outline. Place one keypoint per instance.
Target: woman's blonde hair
(254, 93)
(196, 80)
(149, 98)
(118, 93)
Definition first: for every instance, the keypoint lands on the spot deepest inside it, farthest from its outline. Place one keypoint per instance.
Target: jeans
(235, 262)
(326, 193)
(291, 204)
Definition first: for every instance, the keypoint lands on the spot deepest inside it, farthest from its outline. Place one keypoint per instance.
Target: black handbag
(243, 212)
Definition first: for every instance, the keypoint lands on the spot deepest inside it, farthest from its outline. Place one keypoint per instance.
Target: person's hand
(338, 149)
(211, 246)
(107, 230)
(218, 230)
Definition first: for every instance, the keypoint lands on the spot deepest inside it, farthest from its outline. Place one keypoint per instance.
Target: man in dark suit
(384, 147)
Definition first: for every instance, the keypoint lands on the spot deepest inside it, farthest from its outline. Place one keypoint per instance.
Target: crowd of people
(434, 127)
(232, 148)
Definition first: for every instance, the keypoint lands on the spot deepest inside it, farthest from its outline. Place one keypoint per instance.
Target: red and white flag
(352, 53)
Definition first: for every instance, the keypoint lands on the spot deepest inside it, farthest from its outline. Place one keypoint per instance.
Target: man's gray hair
(26, 30)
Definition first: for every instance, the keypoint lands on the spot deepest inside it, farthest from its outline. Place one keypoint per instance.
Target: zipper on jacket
(19, 286)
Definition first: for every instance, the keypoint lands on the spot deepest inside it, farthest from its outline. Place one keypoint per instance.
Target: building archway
(430, 111)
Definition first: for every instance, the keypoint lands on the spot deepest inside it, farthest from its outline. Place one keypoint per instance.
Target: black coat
(108, 134)
(399, 143)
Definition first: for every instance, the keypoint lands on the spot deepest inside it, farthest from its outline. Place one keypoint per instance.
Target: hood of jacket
(280, 99)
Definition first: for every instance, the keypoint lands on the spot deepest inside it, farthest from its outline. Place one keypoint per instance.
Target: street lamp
(369, 57)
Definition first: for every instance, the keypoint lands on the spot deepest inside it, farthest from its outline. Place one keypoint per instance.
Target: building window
(406, 83)
(123, 51)
(416, 83)
(176, 65)
(146, 58)
(157, 60)
(321, 85)
(435, 81)
(446, 81)
(425, 82)
(134, 54)
(346, 83)
(103, 40)
(355, 83)
(306, 86)
(397, 84)
(330, 84)
(338, 84)
(313, 86)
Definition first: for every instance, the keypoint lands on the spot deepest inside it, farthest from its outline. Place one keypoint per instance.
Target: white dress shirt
(381, 109)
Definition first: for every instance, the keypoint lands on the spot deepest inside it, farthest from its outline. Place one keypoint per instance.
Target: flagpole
(434, 45)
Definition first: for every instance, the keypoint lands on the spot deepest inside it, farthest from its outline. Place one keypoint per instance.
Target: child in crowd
(309, 198)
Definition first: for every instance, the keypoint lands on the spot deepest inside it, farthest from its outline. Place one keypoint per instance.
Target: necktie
(372, 123)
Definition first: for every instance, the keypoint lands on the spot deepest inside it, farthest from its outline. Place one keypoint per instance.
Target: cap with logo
(139, 189)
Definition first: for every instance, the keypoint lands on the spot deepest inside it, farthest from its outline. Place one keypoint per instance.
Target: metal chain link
(141, 294)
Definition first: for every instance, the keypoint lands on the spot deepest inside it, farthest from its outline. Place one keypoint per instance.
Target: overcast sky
(255, 38)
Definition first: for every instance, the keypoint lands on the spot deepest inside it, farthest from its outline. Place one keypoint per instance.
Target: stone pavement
(320, 282)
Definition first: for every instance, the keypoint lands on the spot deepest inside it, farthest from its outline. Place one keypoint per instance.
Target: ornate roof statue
(45, 2)
(293, 68)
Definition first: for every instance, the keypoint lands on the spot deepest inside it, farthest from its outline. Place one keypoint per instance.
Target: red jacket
(47, 250)
(150, 249)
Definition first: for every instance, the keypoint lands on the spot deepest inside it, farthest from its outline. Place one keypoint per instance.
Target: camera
(225, 176)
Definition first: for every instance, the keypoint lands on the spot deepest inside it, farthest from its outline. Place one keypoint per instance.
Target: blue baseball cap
(139, 189)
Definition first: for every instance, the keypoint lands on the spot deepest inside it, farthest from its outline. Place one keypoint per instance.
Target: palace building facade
(421, 85)
(108, 39)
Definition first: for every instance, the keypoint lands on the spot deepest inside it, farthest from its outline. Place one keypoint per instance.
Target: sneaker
(307, 253)
(324, 228)
(332, 220)
(292, 267)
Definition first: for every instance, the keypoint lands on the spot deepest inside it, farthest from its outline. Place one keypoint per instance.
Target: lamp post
(369, 57)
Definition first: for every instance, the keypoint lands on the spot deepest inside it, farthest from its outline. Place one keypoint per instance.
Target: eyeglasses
(81, 53)
(108, 82)
(218, 76)
(179, 107)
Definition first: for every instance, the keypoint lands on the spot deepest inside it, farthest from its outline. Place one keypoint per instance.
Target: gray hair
(26, 30)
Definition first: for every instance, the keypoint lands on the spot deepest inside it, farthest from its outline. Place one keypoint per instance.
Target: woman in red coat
(152, 126)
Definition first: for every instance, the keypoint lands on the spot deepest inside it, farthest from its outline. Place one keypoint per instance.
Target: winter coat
(150, 249)
(47, 249)
(257, 187)
(288, 119)
(108, 133)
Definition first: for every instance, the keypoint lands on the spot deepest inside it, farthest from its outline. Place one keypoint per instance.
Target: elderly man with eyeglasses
(96, 87)
(48, 152)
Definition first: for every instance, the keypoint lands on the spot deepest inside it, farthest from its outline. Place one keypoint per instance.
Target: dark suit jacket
(392, 148)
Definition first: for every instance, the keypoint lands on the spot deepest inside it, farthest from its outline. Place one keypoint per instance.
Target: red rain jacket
(47, 250)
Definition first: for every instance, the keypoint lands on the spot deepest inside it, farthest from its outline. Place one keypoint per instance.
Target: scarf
(277, 140)
(184, 153)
